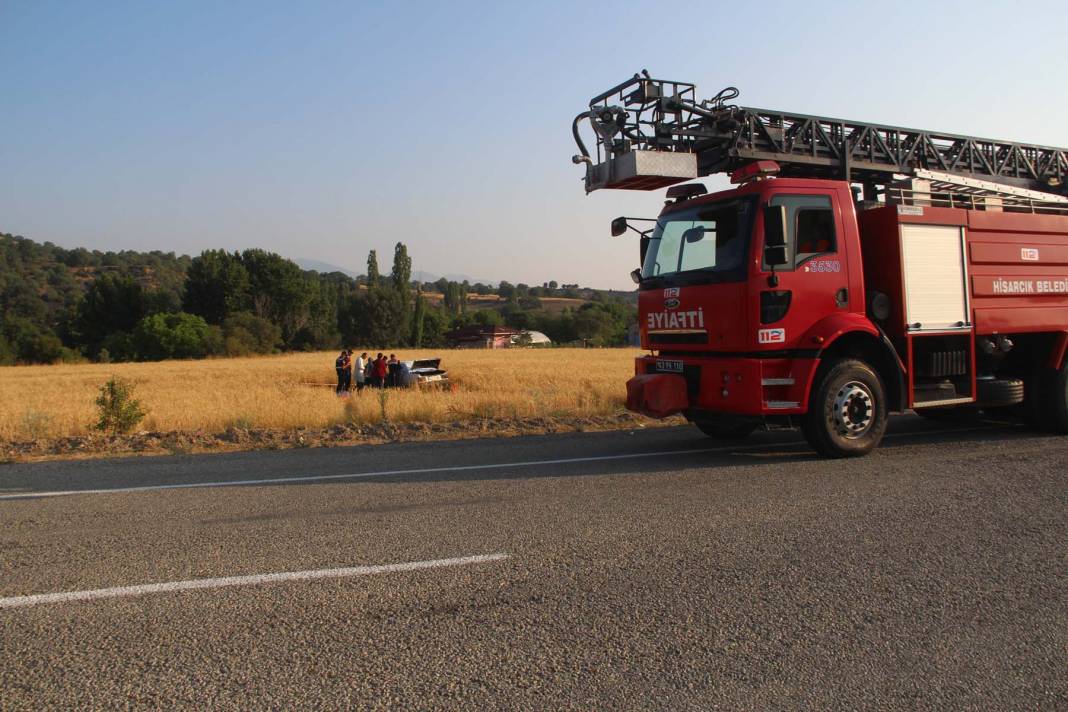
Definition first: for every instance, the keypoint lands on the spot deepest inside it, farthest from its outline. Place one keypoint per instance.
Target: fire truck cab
(790, 301)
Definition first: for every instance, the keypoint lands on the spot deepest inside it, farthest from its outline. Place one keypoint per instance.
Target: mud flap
(657, 395)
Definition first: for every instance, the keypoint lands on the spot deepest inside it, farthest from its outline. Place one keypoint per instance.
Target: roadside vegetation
(295, 391)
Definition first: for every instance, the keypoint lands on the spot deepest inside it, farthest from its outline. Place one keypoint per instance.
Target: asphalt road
(932, 574)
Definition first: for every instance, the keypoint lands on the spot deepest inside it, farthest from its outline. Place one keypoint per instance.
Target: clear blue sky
(322, 130)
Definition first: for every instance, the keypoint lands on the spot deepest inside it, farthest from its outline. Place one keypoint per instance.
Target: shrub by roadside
(117, 410)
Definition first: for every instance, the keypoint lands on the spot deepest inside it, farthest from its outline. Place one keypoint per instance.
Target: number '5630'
(824, 266)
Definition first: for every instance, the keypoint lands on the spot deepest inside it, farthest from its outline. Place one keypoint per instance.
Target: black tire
(1057, 401)
(1034, 408)
(847, 410)
(725, 429)
(1000, 393)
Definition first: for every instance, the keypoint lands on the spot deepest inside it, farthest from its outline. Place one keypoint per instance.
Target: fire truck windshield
(706, 243)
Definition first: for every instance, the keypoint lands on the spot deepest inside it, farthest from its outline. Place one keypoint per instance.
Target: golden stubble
(296, 391)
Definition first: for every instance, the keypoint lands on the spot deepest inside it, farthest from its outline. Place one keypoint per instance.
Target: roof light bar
(687, 191)
(757, 170)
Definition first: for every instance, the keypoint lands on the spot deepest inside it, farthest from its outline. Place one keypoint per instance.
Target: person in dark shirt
(369, 373)
(348, 371)
(343, 366)
(393, 366)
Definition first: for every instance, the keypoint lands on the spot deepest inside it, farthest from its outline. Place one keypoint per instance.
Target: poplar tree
(372, 269)
(401, 278)
(402, 270)
(417, 320)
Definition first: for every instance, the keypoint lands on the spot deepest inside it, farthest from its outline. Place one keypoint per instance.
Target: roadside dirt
(239, 439)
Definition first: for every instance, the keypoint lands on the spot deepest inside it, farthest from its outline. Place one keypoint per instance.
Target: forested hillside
(68, 305)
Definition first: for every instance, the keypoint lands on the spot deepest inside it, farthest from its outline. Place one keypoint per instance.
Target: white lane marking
(453, 468)
(142, 589)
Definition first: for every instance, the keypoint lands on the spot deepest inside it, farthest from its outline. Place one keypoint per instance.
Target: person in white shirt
(359, 370)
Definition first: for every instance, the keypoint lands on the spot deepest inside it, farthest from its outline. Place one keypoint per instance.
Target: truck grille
(684, 338)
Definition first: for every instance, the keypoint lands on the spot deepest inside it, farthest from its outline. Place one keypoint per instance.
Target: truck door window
(809, 227)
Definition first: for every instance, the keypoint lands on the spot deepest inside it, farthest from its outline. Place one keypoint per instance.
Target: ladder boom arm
(646, 114)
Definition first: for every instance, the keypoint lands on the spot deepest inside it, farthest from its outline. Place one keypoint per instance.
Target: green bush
(181, 335)
(117, 410)
(26, 342)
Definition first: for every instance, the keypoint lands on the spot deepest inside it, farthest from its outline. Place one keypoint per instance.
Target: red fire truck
(855, 270)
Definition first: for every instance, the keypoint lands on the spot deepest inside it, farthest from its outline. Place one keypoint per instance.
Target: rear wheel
(1056, 409)
(1034, 409)
(725, 429)
(847, 410)
(1045, 405)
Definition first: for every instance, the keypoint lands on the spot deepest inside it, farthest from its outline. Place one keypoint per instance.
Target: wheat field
(296, 391)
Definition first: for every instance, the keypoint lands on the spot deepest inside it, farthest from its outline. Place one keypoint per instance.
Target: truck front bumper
(664, 386)
(657, 395)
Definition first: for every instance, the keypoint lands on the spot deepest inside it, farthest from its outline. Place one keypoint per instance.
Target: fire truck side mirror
(619, 226)
(775, 249)
(774, 226)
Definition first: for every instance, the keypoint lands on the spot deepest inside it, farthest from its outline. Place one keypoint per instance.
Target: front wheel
(847, 410)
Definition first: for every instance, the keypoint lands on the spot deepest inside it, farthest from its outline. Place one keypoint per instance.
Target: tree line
(67, 305)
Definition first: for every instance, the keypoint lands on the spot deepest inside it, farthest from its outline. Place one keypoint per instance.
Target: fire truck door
(815, 281)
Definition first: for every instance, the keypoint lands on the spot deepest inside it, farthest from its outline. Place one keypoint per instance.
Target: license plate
(668, 366)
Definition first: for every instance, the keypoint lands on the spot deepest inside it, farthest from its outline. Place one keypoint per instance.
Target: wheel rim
(853, 411)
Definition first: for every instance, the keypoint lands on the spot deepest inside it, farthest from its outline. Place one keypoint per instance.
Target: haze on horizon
(323, 130)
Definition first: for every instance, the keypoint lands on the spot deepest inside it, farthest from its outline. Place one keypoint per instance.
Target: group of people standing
(378, 372)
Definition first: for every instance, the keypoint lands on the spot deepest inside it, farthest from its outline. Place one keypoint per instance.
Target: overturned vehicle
(421, 373)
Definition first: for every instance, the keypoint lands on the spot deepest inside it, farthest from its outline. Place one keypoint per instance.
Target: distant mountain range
(323, 267)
